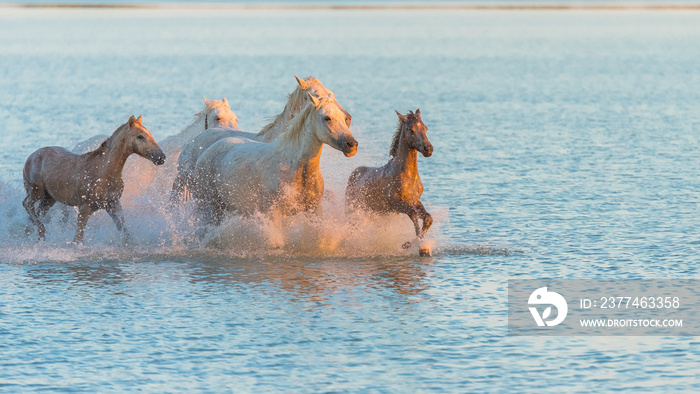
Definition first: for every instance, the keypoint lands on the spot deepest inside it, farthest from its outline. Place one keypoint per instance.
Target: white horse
(296, 101)
(280, 178)
(214, 114)
(137, 172)
(190, 153)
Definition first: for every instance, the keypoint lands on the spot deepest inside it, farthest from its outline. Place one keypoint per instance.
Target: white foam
(156, 229)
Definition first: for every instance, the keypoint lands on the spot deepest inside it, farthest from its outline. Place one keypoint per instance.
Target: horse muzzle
(158, 158)
(349, 148)
(427, 150)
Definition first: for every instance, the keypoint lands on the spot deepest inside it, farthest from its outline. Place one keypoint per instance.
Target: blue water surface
(566, 146)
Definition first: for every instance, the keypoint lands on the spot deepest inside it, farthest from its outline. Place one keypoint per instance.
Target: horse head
(219, 114)
(414, 132)
(330, 126)
(141, 142)
(316, 89)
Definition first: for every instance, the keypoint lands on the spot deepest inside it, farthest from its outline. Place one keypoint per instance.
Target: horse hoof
(424, 252)
(406, 245)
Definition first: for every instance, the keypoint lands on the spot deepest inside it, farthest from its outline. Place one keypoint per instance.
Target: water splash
(170, 232)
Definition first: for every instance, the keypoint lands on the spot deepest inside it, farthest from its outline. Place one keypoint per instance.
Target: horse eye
(140, 137)
(327, 118)
(218, 118)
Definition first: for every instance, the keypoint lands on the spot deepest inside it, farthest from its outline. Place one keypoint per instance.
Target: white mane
(295, 103)
(295, 129)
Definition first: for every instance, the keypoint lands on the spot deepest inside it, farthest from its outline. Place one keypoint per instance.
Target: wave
(453, 249)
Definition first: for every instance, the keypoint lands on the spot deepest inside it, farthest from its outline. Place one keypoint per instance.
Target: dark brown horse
(91, 181)
(395, 187)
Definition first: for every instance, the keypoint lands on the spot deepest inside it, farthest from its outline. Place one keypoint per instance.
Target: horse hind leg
(44, 205)
(29, 203)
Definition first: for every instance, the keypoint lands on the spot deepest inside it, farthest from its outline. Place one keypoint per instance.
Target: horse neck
(405, 159)
(299, 145)
(111, 156)
(295, 104)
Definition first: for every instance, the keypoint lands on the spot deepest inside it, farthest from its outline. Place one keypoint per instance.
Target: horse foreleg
(427, 222)
(276, 234)
(402, 206)
(413, 214)
(84, 212)
(427, 218)
(114, 209)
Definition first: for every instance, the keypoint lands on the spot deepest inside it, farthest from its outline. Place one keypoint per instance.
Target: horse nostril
(159, 159)
(351, 144)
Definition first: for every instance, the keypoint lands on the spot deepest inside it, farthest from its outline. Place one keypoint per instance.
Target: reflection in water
(313, 280)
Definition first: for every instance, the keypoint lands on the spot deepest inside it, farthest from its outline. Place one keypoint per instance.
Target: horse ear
(302, 84)
(401, 117)
(132, 119)
(206, 102)
(140, 119)
(418, 112)
(316, 102)
(225, 101)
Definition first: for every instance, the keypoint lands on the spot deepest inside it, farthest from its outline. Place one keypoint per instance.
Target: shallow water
(565, 147)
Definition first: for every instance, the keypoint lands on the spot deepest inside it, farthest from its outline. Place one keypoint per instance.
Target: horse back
(40, 159)
(360, 185)
(54, 170)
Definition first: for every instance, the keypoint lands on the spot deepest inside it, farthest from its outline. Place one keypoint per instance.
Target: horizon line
(446, 6)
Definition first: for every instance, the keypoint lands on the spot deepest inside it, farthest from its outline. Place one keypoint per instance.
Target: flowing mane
(295, 129)
(395, 141)
(397, 136)
(106, 144)
(295, 103)
(403, 122)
